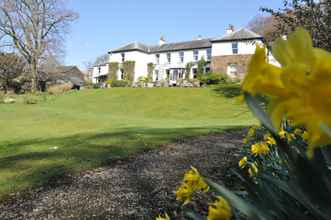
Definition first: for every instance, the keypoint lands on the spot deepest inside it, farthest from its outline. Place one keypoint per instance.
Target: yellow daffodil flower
(305, 136)
(184, 193)
(297, 131)
(192, 182)
(269, 140)
(290, 137)
(253, 170)
(260, 149)
(193, 178)
(219, 210)
(243, 162)
(282, 134)
(164, 217)
(299, 89)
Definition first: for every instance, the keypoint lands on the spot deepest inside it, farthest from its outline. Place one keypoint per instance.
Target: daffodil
(243, 162)
(299, 89)
(184, 193)
(163, 217)
(260, 149)
(269, 140)
(297, 131)
(219, 210)
(192, 182)
(282, 133)
(194, 179)
(253, 170)
(305, 136)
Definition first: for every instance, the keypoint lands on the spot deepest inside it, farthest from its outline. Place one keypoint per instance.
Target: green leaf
(247, 209)
(193, 215)
(259, 112)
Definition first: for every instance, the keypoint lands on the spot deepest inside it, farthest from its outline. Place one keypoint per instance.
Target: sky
(108, 24)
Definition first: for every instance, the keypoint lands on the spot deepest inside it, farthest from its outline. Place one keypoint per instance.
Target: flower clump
(303, 68)
(192, 182)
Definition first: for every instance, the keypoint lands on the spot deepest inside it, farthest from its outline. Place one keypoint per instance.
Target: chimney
(162, 41)
(230, 29)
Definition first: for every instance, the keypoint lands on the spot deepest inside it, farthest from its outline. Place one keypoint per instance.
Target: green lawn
(86, 129)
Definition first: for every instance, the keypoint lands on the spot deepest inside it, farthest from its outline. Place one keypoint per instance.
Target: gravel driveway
(138, 187)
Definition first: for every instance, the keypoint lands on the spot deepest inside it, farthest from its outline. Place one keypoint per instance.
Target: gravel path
(134, 188)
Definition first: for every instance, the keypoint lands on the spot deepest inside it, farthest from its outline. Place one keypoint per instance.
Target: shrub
(214, 78)
(31, 99)
(120, 83)
(59, 89)
(229, 90)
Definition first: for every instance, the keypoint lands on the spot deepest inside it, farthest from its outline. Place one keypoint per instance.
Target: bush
(230, 90)
(31, 99)
(59, 89)
(120, 83)
(215, 78)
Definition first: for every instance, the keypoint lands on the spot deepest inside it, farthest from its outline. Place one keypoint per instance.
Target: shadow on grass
(41, 161)
(230, 90)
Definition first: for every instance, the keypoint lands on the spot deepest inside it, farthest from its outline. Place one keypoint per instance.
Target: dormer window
(123, 57)
(235, 48)
(99, 69)
(169, 57)
(196, 55)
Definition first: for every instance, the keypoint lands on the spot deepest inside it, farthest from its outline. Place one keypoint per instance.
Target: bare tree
(266, 26)
(101, 59)
(34, 27)
(11, 67)
(313, 15)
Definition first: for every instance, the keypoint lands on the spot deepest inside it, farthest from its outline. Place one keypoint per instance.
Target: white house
(227, 54)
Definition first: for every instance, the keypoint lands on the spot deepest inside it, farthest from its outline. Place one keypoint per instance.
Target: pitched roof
(241, 34)
(195, 44)
(67, 73)
(133, 46)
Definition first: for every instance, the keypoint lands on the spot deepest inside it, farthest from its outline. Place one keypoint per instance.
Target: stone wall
(220, 63)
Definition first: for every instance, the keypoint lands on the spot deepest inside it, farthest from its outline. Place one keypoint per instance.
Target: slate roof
(187, 45)
(241, 34)
(133, 46)
(67, 73)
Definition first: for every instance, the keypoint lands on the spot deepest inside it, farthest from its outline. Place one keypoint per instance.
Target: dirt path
(134, 188)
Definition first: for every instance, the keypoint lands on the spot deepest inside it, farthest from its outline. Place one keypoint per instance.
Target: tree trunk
(34, 77)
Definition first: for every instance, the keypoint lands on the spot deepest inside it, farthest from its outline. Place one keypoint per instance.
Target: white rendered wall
(225, 48)
(101, 70)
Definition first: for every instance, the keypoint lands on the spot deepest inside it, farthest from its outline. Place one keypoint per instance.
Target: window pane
(169, 57)
(181, 56)
(196, 55)
(208, 53)
(235, 48)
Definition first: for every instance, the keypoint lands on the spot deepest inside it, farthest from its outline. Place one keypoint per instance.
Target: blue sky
(107, 24)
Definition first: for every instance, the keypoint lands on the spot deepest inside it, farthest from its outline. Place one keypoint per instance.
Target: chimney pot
(230, 29)
(162, 41)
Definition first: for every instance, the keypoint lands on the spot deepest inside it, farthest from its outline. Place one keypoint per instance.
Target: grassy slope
(83, 130)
